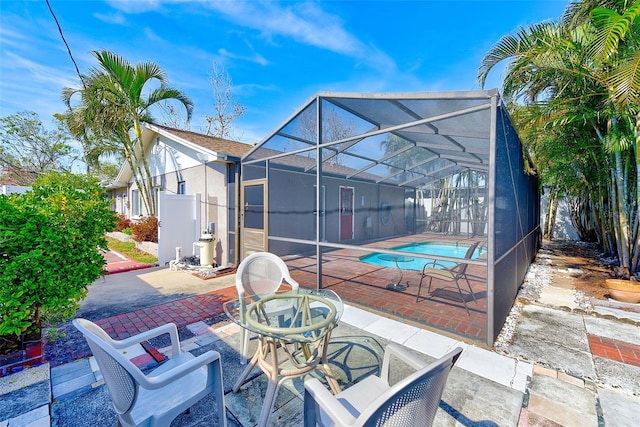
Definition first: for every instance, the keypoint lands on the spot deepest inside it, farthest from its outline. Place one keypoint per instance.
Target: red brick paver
(182, 312)
(117, 263)
(615, 350)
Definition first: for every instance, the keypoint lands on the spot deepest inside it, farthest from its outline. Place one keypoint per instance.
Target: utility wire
(65, 43)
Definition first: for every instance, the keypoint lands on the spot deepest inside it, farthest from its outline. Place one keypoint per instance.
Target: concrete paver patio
(560, 366)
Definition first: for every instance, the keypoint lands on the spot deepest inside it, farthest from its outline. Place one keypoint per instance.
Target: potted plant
(49, 240)
(623, 290)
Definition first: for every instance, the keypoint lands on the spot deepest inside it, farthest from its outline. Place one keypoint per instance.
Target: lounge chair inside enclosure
(259, 275)
(436, 270)
(155, 398)
(413, 401)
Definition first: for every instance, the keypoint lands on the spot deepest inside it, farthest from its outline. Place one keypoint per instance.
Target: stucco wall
(171, 163)
(291, 202)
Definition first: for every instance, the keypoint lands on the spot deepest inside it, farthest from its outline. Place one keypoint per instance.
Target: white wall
(171, 163)
(9, 189)
(562, 229)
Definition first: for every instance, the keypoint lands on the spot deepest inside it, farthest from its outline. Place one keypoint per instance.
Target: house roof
(219, 145)
(216, 148)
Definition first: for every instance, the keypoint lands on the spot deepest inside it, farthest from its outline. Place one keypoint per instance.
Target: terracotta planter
(624, 290)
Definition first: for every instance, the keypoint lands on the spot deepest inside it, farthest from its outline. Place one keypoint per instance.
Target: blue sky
(278, 54)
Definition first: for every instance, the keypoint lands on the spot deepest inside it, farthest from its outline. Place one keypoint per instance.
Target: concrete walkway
(559, 363)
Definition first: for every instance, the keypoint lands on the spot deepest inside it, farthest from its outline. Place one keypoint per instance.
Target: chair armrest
(169, 328)
(402, 354)
(294, 285)
(436, 265)
(327, 402)
(185, 368)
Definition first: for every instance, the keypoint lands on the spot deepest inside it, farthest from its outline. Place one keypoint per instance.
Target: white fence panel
(178, 224)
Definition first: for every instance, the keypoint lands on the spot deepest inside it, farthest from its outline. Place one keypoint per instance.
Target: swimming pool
(454, 250)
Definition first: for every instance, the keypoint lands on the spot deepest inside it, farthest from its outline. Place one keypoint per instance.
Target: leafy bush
(122, 224)
(49, 238)
(126, 231)
(145, 230)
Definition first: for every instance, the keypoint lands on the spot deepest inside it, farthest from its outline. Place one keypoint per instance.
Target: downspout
(206, 197)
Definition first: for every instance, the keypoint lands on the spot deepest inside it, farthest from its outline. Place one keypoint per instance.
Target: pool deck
(367, 285)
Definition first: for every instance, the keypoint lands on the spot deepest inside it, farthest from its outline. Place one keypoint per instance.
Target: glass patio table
(397, 286)
(297, 322)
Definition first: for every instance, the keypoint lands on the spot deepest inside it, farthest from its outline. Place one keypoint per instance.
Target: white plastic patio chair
(156, 398)
(259, 275)
(373, 401)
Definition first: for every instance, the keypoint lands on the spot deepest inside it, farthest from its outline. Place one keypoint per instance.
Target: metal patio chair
(436, 270)
(155, 398)
(373, 401)
(259, 275)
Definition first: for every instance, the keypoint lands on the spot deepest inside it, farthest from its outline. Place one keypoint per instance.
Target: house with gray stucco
(194, 181)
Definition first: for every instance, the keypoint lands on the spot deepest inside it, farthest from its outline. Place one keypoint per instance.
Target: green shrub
(126, 231)
(145, 230)
(49, 238)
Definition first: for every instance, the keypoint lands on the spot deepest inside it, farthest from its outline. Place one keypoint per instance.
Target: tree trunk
(623, 219)
(635, 263)
(548, 224)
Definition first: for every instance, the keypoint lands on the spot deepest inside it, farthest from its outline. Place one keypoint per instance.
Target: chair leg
(219, 392)
(462, 298)
(470, 290)
(429, 287)
(419, 287)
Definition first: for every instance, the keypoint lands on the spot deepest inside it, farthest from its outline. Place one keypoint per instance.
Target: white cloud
(33, 86)
(114, 18)
(257, 58)
(304, 22)
(13, 38)
(26, 68)
(135, 6)
(152, 36)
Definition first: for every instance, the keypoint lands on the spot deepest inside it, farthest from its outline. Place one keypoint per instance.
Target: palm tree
(617, 44)
(584, 71)
(113, 105)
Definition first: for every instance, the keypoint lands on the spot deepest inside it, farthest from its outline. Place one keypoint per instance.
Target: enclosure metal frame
(523, 249)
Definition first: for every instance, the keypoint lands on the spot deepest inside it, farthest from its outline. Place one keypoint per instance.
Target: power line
(65, 42)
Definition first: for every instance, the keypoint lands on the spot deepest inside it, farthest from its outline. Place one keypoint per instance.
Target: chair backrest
(115, 368)
(461, 267)
(262, 273)
(415, 399)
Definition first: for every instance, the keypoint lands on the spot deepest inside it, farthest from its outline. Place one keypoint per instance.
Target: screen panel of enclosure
(391, 201)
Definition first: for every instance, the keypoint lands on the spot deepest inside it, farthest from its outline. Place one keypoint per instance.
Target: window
(182, 187)
(135, 202)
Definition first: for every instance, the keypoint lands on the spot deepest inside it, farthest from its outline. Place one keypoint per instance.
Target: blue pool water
(453, 250)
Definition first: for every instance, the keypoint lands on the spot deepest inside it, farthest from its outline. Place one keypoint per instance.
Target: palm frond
(625, 81)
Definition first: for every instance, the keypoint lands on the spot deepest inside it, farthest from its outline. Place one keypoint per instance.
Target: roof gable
(219, 145)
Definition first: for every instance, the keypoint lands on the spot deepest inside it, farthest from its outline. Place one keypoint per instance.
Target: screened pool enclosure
(358, 192)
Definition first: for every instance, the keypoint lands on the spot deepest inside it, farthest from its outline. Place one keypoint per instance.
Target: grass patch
(129, 249)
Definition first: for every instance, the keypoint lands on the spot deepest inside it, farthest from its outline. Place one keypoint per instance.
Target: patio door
(346, 213)
(254, 217)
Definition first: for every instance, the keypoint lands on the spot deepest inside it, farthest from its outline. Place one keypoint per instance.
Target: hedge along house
(357, 192)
